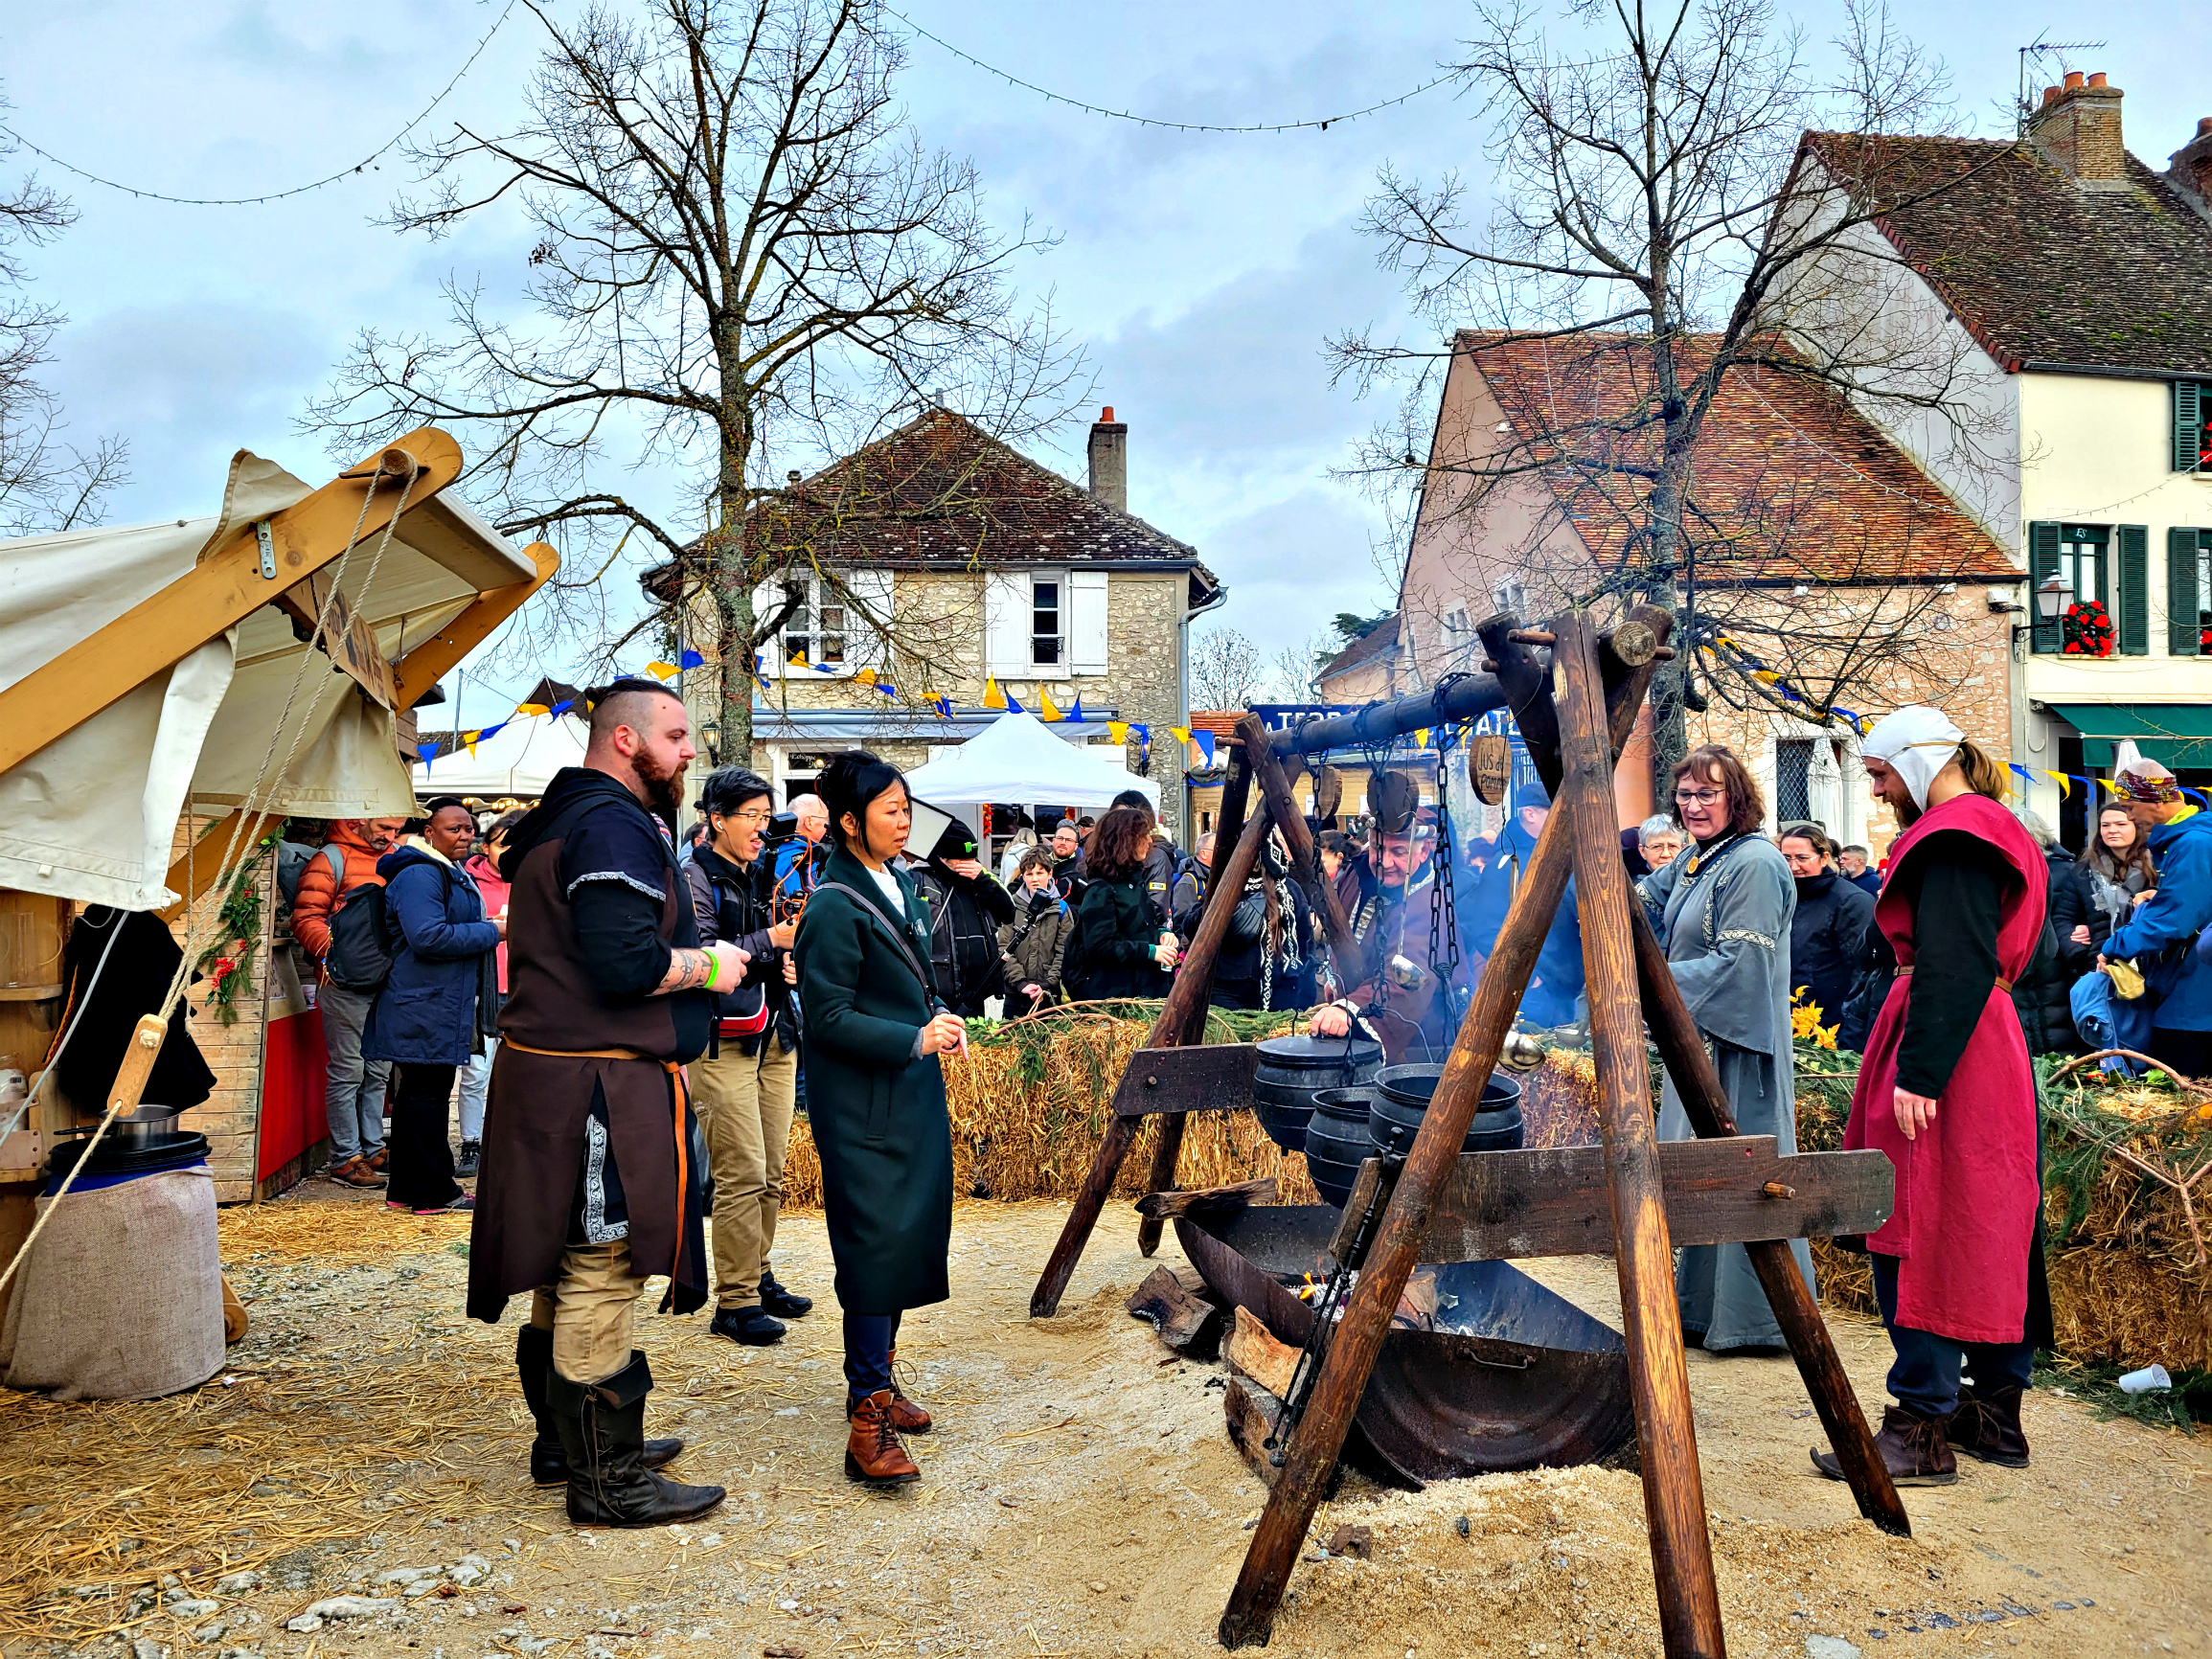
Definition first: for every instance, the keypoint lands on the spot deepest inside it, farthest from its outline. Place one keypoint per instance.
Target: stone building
(2075, 284)
(943, 561)
(1818, 553)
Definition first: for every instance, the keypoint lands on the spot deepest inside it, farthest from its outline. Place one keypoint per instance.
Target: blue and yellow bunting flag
(992, 696)
(1075, 715)
(661, 670)
(1205, 742)
(942, 706)
(1118, 731)
(690, 659)
(534, 708)
(1045, 711)
(1012, 707)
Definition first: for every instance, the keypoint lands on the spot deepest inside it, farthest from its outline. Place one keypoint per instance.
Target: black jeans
(868, 1340)
(1924, 1380)
(420, 1172)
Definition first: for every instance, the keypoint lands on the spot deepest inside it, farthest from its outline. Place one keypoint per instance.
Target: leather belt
(583, 1054)
(2004, 985)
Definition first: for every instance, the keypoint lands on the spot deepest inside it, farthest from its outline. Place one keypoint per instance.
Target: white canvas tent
(91, 814)
(1019, 760)
(518, 760)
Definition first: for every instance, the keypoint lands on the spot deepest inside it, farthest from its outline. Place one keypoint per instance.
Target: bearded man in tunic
(1721, 906)
(588, 1186)
(1404, 1000)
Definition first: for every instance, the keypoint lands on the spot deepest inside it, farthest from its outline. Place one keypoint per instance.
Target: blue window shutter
(2042, 565)
(2133, 590)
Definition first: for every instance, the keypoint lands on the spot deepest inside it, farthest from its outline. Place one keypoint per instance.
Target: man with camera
(746, 1089)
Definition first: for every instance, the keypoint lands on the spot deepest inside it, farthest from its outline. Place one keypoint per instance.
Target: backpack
(361, 944)
(292, 860)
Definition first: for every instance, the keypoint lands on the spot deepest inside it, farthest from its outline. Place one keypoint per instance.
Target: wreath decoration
(2087, 630)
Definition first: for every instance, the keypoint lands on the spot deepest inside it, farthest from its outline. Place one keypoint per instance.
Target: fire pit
(1511, 1377)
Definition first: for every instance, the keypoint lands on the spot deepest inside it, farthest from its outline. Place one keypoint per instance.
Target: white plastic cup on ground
(2148, 1379)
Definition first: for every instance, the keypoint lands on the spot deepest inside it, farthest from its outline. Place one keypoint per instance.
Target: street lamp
(2054, 598)
(712, 732)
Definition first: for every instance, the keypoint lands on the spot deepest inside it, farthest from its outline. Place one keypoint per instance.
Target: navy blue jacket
(442, 958)
(2180, 909)
(1550, 1001)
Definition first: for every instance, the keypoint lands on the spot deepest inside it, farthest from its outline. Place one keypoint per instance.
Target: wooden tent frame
(1574, 738)
(222, 589)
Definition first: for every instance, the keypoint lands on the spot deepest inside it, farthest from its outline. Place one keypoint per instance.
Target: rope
(264, 785)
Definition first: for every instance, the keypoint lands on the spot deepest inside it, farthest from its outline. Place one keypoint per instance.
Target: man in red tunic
(1946, 1090)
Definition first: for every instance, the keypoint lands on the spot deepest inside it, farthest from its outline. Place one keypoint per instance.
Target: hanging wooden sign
(1490, 767)
(1327, 792)
(348, 639)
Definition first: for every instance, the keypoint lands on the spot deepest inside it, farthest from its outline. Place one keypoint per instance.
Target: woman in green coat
(1117, 947)
(875, 1026)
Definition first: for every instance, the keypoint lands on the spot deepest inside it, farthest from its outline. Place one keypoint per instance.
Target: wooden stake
(1185, 1014)
(1651, 1320)
(1228, 831)
(1298, 839)
(1705, 1103)
(1313, 1453)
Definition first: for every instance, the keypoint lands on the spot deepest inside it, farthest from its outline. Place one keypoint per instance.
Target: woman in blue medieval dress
(1722, 907)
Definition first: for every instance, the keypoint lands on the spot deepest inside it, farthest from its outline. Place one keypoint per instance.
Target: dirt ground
(1080, 1497)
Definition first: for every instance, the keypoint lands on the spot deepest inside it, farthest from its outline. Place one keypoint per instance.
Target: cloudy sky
(1201, 272)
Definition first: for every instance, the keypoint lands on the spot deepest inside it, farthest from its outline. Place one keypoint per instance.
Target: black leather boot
(1986, 1426)
(1914, 1447)
(548, 1461)
(602, 1431)
(781, 1303)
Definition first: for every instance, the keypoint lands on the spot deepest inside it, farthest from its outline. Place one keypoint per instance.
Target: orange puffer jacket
(318, 893)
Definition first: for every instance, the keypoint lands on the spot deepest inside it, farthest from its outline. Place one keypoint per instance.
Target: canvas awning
(2175, 735)
(92, 814)
(518, 760)
(1019, 760)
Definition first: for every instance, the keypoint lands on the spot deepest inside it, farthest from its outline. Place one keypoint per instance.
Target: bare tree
(1661, 227)
(743, 259)
(1226, 669)
(46, 484)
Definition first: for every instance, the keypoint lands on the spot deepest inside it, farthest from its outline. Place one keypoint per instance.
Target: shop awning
(2175, 735)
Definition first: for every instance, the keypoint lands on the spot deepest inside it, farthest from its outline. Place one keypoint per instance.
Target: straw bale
(2118, 1305)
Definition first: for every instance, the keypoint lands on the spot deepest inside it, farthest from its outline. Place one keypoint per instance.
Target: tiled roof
(2039, 268)
(941, 491)
(1789, 481)
(1379, 641)
(1222, 722)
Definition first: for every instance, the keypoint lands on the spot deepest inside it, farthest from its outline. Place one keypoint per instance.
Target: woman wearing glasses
(746, 1087)
(1722, 907)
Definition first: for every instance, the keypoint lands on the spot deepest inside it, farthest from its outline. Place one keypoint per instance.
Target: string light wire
(1319, 124)
(360, 165)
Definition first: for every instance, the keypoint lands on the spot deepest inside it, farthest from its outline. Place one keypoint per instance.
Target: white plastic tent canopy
(518, 760)
(1017, 759)
(91, 816)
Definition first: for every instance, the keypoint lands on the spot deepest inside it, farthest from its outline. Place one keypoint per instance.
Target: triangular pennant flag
(490, 731)
(1075, 715)
(559, 708)
(660, 670)
(2064, 784)
(1205, 742)
(1182, 734)
(942, 706)
(799, 661)
(1421, 738)
(690, 659)
(1118, 731)
(469, 742)
(1144, 732)
(865, 677)
(1012, 707)
(992, 696)
(1044, 707)
(426, 753)
(887, 688)
(537, 709)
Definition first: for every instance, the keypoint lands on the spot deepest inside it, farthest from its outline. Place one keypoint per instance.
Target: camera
(783, 827)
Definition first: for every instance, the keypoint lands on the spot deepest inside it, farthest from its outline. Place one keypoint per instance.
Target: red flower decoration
(2087, 630)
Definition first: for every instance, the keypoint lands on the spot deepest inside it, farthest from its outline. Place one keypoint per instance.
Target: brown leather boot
(354, 1173)
(873, 1454)
(1987, 1426)
(906, 1417)
(1913, 1446)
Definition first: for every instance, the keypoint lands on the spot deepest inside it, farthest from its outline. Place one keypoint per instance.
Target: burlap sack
(122, 1296)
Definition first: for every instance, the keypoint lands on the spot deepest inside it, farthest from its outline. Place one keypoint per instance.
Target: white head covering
(1916, 742)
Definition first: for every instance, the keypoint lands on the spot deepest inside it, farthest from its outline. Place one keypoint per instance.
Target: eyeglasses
(759, 817)
(1699, 797)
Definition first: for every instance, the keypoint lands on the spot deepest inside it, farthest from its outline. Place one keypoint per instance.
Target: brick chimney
(2078, 130)
(2190, 170)
(1110, 460)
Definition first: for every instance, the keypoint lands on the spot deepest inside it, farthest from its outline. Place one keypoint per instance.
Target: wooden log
(1252, 1414)
(1528, 694)
(1305, 869)
(1650, 1321)
(1311, 1458)
(1705, 1103)
(1192, 1327)
(1213, 1202)
(1228, 831)
(1203, 1078)
(1179, 1020)
(1253, 1349)
(1555, 1201)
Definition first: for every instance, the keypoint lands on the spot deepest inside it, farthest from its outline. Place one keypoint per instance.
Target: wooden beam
(435, 657)
(1310, 1458)
(1186, 998)
(221, 591)
(1305, 869)
(1651, 1320)
(1228, 831)
(1196, 1077)
(1555, 1201)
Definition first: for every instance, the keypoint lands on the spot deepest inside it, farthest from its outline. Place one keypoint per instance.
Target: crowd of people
(627, 1023)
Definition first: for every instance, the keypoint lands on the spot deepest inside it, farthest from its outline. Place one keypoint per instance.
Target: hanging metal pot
(1327, 792)
(1392, 801)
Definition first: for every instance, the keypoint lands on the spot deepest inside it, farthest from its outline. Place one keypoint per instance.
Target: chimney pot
(1109, 461)
(2098, 79)
(2073, 80)
(2050, 95)
(2203, 125)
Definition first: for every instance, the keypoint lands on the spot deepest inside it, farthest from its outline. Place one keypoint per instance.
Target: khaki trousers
(744, 1104)
(589, 1311)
